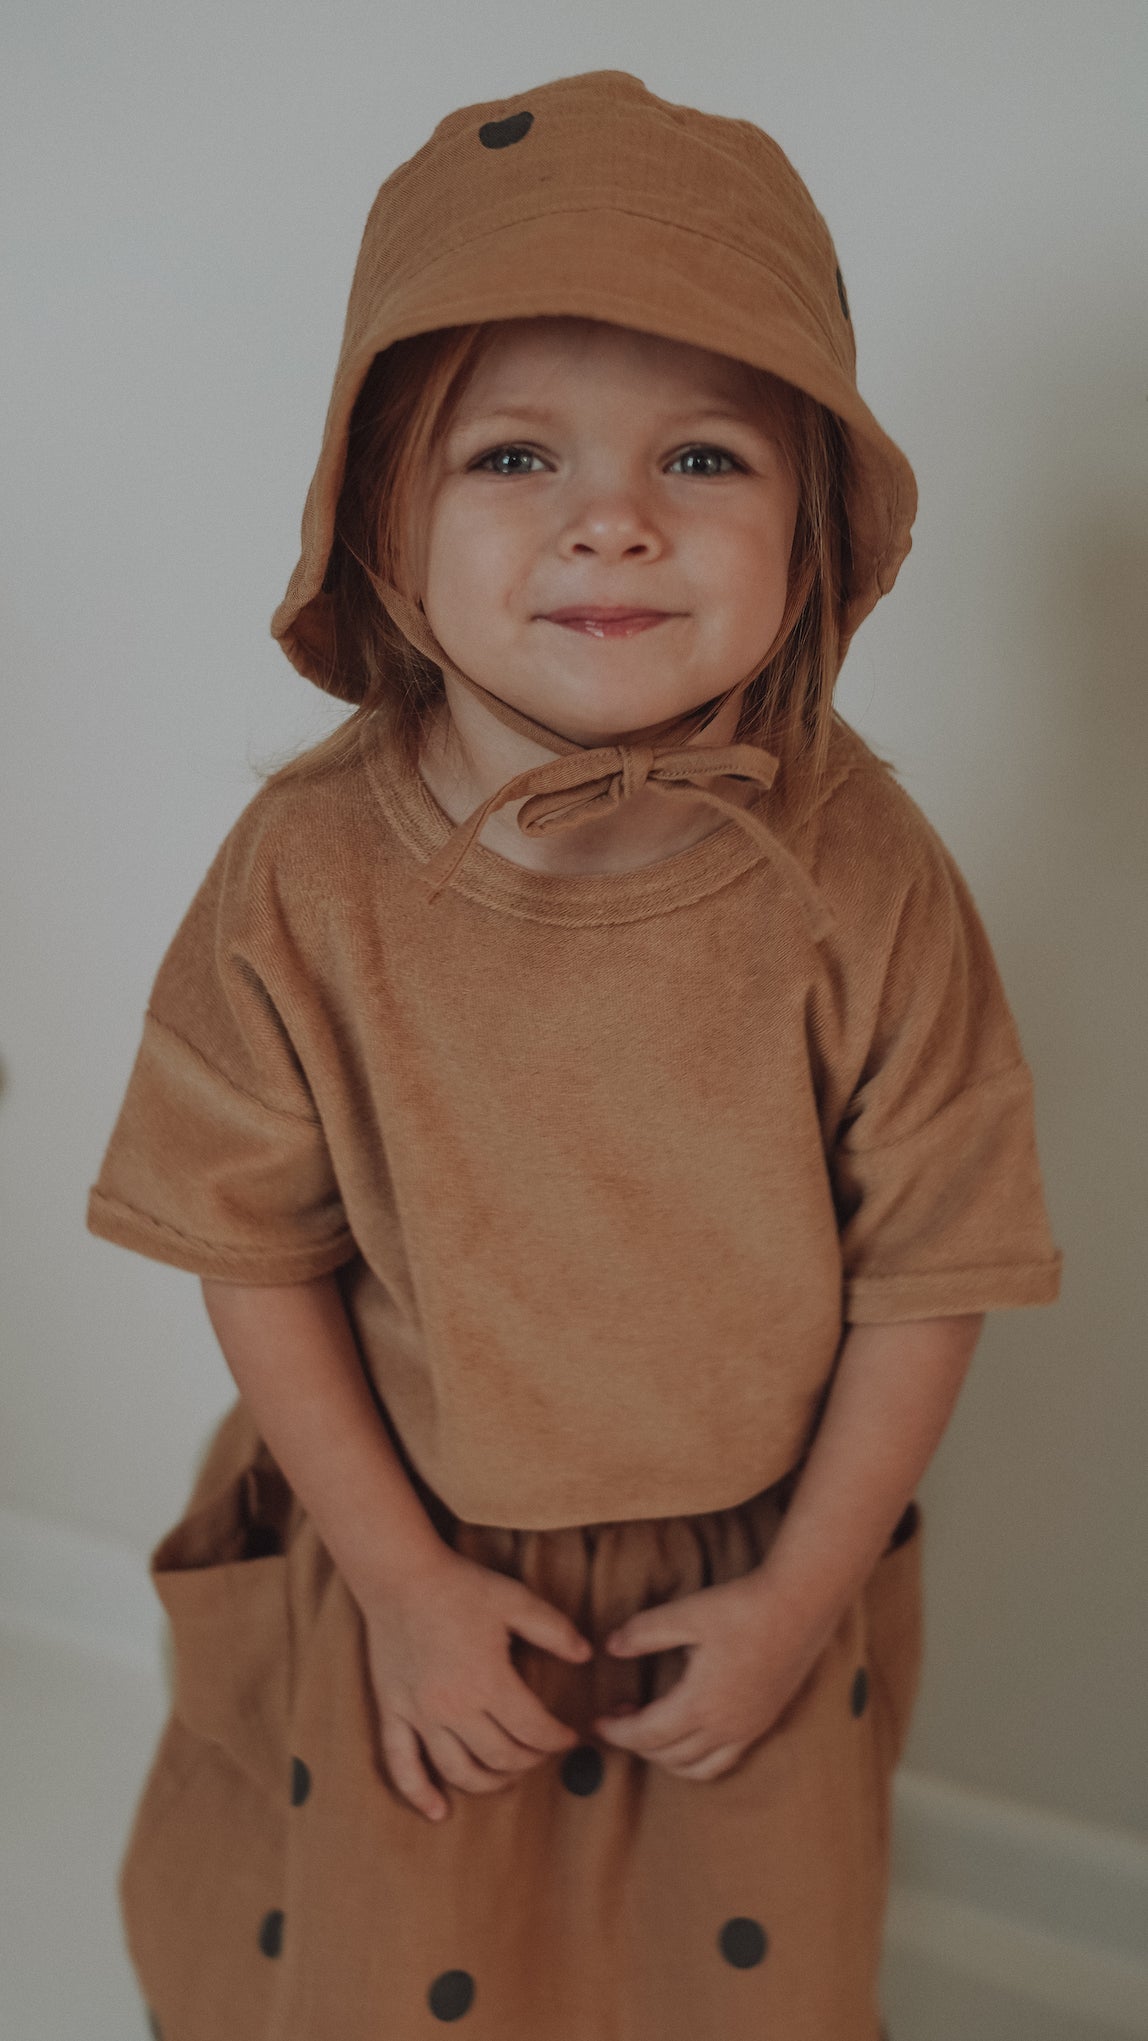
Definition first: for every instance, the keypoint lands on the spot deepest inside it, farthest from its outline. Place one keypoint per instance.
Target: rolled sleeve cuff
(300, 1262)
(943, 1293)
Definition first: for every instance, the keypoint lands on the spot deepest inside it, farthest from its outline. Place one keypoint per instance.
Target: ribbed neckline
(564, 897)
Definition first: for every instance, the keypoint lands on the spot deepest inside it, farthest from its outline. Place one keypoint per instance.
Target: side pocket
(894, 1620)
(221, 1574)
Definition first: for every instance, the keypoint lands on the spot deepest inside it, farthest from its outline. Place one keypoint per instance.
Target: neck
(470, 753)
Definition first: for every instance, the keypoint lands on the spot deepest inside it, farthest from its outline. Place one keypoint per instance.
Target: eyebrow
(540, 415)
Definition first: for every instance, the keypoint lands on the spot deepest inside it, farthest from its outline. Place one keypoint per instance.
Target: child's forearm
(892, 1395)
(292, 1352)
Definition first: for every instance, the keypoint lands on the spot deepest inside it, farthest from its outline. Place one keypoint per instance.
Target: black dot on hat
(860, 1691)
(300, 1782)
(743, 1942)
(841, 292)
(451, 1995)
(153, 2026)
(582, 1769)
(499, 134)
(271, 1933)
(905, 1526)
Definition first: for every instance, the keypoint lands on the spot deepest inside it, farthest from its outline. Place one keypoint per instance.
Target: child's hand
(749, 1653)
(439, 1655)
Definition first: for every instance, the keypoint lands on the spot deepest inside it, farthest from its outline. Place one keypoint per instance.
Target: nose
(615, 524)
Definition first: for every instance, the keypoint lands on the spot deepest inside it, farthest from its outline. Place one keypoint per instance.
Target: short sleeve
(217, 1162)
(936, 1180)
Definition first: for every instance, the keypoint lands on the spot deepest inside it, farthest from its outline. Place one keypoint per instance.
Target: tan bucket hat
(591, 196)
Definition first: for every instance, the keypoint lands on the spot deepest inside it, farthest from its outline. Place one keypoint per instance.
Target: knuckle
(489, 1772)
(465, 1773)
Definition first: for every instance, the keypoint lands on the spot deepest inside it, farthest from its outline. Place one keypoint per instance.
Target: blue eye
(500, 453)
(496, 453)
(721, 453)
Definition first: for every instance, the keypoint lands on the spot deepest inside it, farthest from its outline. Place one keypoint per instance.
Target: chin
(593, 722)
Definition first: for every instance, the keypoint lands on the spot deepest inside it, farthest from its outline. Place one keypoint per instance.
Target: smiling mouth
(608, 623)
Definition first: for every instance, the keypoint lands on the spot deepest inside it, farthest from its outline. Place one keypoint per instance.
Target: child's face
(631, 491)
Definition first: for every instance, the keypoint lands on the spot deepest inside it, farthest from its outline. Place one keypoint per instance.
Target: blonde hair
(403, 409)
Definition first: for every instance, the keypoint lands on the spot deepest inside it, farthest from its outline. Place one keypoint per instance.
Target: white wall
(184, 194)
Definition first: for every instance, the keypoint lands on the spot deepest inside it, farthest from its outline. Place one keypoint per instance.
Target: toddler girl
(585, 1090)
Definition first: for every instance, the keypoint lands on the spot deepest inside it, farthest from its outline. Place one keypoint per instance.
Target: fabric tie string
(562, 793)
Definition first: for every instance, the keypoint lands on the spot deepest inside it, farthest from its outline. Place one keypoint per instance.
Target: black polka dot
(300, 1782)
(905, 1526)
(451, 1995)
(271, 1933)
(582, 1769)
(841, 293)
(743, 1942)
(153, 2026)
(860, 1691)
(499, 134)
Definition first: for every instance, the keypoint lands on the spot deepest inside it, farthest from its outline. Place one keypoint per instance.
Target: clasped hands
(749, 1652)
(453, 1710)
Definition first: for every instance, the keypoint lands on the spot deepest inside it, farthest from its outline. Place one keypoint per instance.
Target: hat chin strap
(586, 780)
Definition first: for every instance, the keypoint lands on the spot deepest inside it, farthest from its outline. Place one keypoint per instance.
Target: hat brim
(584, 262)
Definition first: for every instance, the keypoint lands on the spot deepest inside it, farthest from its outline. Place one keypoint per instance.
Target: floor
(79, 1727)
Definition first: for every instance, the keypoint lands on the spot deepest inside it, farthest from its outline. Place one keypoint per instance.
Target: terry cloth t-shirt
(606, 1162)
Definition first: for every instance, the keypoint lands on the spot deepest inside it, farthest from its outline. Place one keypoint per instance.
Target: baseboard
(1046, 1908)
(1033, 1904)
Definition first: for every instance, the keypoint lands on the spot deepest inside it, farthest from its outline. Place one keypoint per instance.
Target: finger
(456, 1761)
(660, 1628)
(406, 1768)
(541, 1623)
(710, 1766)
(686, 1750)
(526, 1717)
(659, 1723)
(491, 1744)
(531, 1734)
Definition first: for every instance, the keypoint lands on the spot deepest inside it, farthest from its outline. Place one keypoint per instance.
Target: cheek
(747, 564)
(474, 537)
(769, 547)
(474, 558)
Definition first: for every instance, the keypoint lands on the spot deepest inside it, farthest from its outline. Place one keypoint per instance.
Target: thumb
(541, 1623)
(656, 1629)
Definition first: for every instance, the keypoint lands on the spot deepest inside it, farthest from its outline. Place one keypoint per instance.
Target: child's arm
(438, 1625)
(892, 1396)
(755, 1638)
(293, 1355)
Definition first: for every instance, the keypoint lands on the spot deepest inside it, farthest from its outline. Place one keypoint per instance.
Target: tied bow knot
(610, 773)
(559, 793)
(563, 791)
